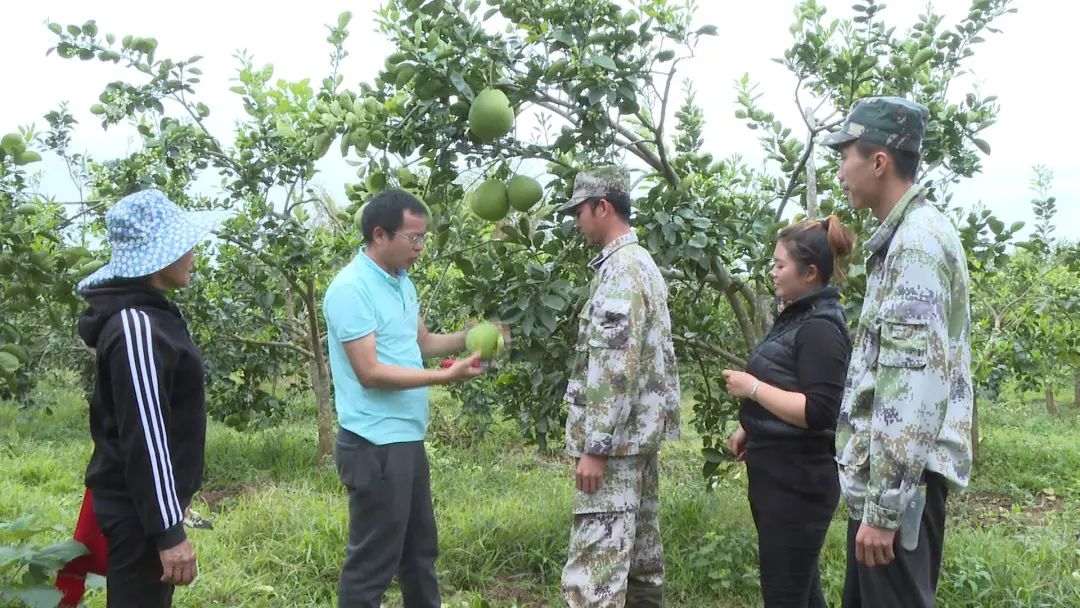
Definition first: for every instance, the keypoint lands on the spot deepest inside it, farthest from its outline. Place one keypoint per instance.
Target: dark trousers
(391, 523)
(910, 580)
(793, 491)
(134, 574)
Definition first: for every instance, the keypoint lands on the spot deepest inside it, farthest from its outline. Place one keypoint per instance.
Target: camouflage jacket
(623, 393)
(908, 396)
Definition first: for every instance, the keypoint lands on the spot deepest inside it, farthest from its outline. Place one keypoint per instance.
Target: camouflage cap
(596, 182)
(893, 122)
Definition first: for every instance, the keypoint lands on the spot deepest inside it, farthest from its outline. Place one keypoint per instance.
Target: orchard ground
(280, 518)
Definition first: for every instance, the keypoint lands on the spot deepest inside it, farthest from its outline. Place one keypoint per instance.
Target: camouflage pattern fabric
(615, 540)
(596, 182)
(908, 396)
(893, 122)
(623, 393)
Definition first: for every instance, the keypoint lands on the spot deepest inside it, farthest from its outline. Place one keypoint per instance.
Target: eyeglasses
(414, 239)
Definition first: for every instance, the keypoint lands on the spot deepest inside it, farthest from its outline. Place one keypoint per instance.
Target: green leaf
(552, 301)
(45, 596)
(563, 36)
(713, 455)
(9, 363)
(708, 468)
(13, 555)
(512, 232)
(981, 145)
(55, 556)
(546, 319)
(465, 266)
(284, 127)
(604, 61)
(462, 87)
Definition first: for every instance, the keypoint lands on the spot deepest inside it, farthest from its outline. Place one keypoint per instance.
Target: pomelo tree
(42, 255)
(588, 81)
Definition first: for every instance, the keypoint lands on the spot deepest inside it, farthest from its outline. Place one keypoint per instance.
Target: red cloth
(71, 580)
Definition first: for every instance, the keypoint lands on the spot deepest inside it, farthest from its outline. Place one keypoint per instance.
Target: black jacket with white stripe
(147, 411)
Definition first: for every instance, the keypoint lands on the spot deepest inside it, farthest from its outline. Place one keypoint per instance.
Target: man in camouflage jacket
(903, 436)
(623, 399)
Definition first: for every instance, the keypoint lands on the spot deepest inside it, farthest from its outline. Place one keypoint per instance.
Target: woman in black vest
(790, 399)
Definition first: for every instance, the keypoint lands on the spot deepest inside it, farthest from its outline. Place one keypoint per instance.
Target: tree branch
(709, 348)
(741, 316)
(749, 323)
(561, 108)
(71, 220)
(678, 275)
(552, 108)
(794, 179)
(668, 172)
(643, 153)
(270, 344)
(522, 153)
(313, 323)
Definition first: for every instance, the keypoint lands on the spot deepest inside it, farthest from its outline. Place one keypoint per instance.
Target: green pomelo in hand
(485, 338)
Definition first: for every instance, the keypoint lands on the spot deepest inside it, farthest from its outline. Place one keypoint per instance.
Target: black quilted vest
(773, 362)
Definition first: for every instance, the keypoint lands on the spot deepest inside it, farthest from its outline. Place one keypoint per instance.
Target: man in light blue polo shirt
(377, 342)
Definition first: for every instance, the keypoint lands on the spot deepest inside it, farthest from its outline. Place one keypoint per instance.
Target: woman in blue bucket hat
(147, 410)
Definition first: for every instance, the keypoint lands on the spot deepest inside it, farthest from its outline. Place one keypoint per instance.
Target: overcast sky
(1031, 67)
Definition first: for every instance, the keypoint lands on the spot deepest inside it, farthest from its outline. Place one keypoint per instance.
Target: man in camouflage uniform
(623, 399)
(903, 437)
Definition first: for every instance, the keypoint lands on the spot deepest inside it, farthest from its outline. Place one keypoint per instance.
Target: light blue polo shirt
(362, 299)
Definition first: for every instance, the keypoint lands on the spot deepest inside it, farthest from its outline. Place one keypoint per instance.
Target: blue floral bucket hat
(147, 232)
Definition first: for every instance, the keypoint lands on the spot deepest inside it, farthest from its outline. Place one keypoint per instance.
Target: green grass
(504, 513)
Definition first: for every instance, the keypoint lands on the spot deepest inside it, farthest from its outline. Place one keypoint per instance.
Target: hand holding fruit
(487, 338)
(463, 369)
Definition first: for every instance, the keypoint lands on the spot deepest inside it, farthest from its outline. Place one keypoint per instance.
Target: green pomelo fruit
(490, 115)
(18, 351)
(9, 363)
(489, 200)
(523, 192)
(26, 157)
(13, 143)
(485, 338)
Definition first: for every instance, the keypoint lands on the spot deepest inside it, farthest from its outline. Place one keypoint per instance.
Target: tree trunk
(1076, 388)
(975, 428)
(320, 383)
(1051, 407)
(812, 210)
(320, 377)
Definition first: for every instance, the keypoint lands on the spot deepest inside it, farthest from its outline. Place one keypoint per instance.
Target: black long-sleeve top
(806, 351)
(147, 411)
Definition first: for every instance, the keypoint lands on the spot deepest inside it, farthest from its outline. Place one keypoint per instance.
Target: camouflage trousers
(615, 538)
